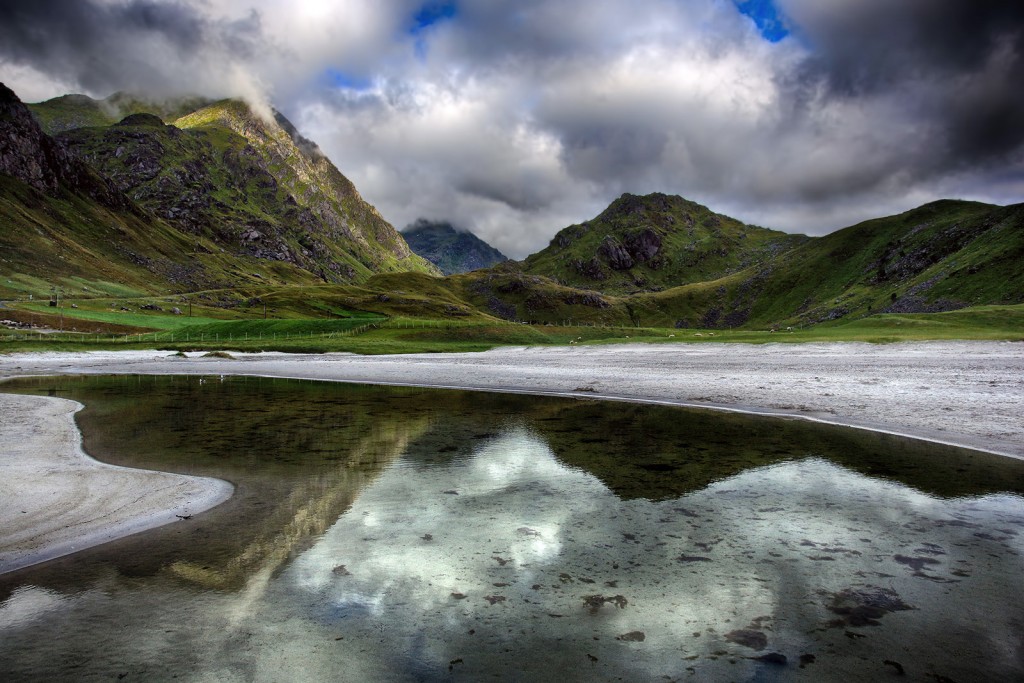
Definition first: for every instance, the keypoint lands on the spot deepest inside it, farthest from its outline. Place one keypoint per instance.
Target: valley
(200, 224)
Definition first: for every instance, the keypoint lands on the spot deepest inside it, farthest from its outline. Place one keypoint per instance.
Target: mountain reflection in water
(396, 534)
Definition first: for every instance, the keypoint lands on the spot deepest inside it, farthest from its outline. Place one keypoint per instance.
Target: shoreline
(744, 410)
(966, 394)
(55, 499)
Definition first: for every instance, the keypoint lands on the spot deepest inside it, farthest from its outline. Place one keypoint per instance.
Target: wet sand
(55, 499)
(962, 393)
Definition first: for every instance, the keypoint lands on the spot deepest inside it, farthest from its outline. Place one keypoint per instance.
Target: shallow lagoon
(401, 534)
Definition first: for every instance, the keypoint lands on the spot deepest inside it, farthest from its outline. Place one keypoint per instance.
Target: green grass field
(367, 333)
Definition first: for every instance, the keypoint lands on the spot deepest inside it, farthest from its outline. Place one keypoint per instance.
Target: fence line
(187, 337)
(182, 337)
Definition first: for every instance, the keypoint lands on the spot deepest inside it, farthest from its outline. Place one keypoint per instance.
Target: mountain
(654, 242)
(29, 155)
(222, 198)
(253, 185)
(65, 224)
(942, 256)
(939, 257)
(451, 250)
(68, 112)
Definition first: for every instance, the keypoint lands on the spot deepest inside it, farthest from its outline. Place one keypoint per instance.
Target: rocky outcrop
(652, 243)
(615, 254)
(36, 159)
(643, 245)
(637, 247)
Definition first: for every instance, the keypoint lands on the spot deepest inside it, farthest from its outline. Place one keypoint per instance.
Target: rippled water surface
(413, 535)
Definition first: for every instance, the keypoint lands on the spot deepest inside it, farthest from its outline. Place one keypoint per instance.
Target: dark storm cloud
(142, 45)
(862, 47)
(959, 63)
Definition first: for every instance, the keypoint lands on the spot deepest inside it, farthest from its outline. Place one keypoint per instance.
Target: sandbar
(56, 500)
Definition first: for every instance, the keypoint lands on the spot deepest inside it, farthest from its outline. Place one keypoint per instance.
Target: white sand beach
(968, 394)
(55, 499)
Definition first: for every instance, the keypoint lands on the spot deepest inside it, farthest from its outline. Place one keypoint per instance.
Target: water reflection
(383, 534)
(511, 562)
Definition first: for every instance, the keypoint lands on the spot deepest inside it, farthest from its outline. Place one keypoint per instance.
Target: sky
(515, 118)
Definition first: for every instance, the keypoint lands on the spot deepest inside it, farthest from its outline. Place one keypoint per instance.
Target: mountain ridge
(651, 242)
(223, 197)
(453, 251)
(267, 193)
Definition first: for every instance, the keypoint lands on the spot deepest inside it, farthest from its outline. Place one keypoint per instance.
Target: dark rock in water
(865, 606)
(773, 658)
(806, 659)
(632, 637)
(692, 558)
(595, 602)
(916, 563)
(896, 665)
(748, 637)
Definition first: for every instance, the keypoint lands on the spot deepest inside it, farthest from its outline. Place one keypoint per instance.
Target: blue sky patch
(432, 13)
(426, 16)
(340, 79)
(766, 16)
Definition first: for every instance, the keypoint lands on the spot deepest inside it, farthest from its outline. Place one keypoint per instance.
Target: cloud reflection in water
(509, 561)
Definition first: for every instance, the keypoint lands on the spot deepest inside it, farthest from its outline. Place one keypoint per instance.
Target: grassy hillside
(68, 112)
(225, 174)
(942, 256)
(227, 199)
(653, 242)
(70, 242)
(228, 224)
(329, 206)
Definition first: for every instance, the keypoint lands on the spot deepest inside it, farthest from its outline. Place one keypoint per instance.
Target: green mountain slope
(449, 249)
(945, 256)
(63, 224)
(225, 199)
(68, 112)
(140, 206)
(254, 187)
(942, 256)
(654, 242)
